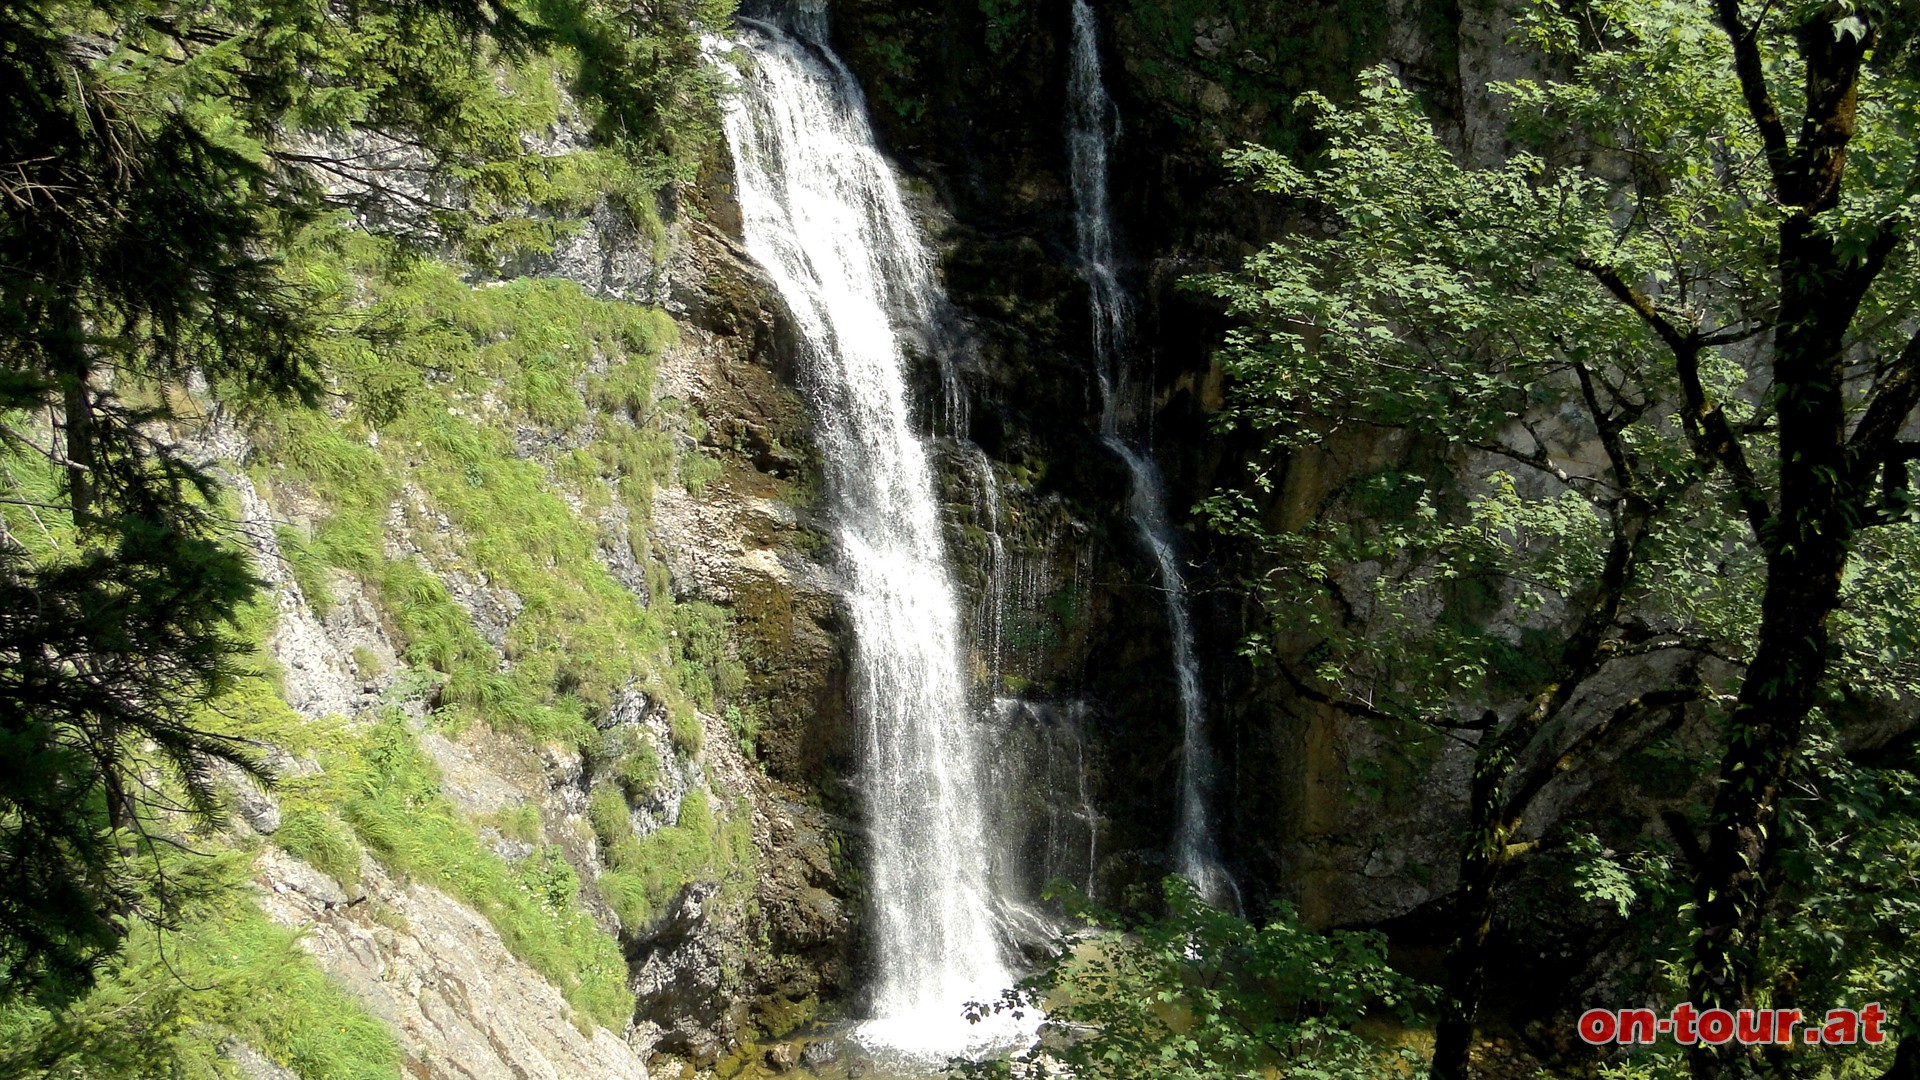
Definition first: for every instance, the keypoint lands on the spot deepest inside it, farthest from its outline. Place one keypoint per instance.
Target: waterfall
(1092, 124)
(822, 213)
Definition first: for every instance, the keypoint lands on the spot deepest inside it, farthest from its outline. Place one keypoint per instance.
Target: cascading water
(822, 214)
(990, 615)
(1092, 125)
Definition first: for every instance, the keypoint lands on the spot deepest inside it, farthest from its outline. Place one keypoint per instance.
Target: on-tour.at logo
(1687, 1025)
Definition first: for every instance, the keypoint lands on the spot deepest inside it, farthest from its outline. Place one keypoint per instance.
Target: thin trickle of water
(1029, 588)
(991, 613)
(1088, 814)
(1079, 817)
(1092, 125)
(1045, 743)
(822, 214)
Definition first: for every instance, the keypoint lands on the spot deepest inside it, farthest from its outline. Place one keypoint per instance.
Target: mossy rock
(794, 647)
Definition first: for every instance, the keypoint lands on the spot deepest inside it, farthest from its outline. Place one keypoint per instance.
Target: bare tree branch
(1706, 423)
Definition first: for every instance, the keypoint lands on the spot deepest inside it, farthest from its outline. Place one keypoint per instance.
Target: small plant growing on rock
(638, 772)
(688, 735)
(745, 726)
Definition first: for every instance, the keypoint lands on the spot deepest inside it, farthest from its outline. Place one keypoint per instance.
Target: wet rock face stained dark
(972, 100)
(969, 99)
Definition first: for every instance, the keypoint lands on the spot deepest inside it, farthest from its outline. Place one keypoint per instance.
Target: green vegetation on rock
(646, 873)
(294, 214)
(221, 966)
(433, 429)
(1631, 400)
(380, 783)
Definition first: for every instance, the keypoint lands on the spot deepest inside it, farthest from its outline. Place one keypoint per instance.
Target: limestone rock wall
(727, 961)
(439, 975)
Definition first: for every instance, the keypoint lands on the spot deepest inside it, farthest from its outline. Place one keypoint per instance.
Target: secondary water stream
(1093, 122)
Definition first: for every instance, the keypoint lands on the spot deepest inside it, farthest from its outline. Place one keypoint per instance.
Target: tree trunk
(1812, 533)
(1821, 505)
(1493, 816)
(1480, 862)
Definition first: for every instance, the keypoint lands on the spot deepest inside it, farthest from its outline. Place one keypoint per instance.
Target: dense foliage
(1198, 993)
(1605, 433)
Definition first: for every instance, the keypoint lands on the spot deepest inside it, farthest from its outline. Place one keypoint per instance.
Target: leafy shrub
(1201, 994)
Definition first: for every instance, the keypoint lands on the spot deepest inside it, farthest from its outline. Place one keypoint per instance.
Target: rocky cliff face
(736, 917)
(1354, 825)
(971, 99)
(758, 930)
(748, 543)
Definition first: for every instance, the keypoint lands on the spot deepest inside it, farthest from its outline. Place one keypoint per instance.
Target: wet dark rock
(820, 1054)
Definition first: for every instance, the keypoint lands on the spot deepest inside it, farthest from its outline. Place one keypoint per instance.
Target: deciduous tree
(1641, 386)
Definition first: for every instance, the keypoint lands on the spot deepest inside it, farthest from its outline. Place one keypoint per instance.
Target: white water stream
(822, 213)
(1092, 125)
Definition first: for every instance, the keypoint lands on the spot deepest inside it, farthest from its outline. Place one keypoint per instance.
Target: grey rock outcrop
(462, 1005)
